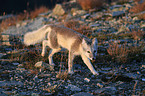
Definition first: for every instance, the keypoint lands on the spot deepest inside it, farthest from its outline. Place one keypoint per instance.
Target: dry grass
(118, 52)
(90, 4)
(135, 53)
(138, 35)
(138, 8)
(62, 75)
(72, 24)
(37, 11)
(142, 16)
(7, 22)
(20, 17)
(124, 54)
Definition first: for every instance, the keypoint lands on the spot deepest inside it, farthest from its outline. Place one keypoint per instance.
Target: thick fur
(37, 36)
(57, 37)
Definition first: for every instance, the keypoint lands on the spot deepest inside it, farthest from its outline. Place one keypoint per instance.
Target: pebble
(143, 79)
(15, 64)
(82, 94)
(87, 79)
(73, 87)
(1, 55)
(143, 66)
(100, 85)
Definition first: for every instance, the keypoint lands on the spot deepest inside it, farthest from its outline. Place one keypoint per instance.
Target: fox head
(90, 48)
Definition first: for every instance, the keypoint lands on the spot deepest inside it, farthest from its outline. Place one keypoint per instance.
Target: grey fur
(68, 33)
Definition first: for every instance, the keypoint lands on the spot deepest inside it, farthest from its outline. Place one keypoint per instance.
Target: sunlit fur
(58, 37)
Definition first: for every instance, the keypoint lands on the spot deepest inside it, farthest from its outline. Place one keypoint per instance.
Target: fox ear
(83, 42)
(94, 41)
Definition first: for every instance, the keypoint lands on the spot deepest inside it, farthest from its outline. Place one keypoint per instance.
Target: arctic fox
(58, 37)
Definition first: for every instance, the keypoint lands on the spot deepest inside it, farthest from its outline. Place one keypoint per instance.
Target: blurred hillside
(18, 6)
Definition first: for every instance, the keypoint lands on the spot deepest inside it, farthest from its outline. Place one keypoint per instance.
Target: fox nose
(94, 58)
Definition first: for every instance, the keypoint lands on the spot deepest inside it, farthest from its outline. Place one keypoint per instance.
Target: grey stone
(99, 91)
(82, 94)
(117, 13)
(87, 79)
(106, 69)
(73, 87)
(34, 94)
(132, 75)
(9, 93)
(58, 10)
(42, 64)
(100, 85)
(1, 55)
(116, 6)
(143, 66)
(10, 83)
(143, 79)
(15, 64)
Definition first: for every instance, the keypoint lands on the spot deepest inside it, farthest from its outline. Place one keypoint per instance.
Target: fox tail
(36, 36)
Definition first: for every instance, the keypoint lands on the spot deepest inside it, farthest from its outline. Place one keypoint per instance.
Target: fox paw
(95, 73)
(52, 64)
(70, 72)
(42, 54)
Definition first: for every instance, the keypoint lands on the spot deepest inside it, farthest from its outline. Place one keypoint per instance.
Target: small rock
(132, 75)
(8, 92)
(143, 79)
(143, 66)
(103, 72)
(100, 85)
(5, 37)
(118, 13)
(116, 6)
(34, 94)
(15, 64)
(106, 69)
(99, 91)
(21, 69)
(87, 80)
(85, 16)
(42, 64)
(135, 18)
(58, 10)
(1, 55)
(111, 89)
(73, 87)
(10, 83)
(82, 94)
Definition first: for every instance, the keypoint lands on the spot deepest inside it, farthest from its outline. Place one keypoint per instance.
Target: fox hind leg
(44, 44)
(51, 53)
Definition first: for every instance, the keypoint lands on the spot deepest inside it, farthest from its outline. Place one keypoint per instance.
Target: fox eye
(88, 52)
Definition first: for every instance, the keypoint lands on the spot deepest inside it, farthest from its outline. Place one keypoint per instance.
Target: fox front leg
(70, 62)
(89, 65)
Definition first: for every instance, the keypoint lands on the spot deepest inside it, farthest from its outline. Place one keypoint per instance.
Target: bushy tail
(36, 36)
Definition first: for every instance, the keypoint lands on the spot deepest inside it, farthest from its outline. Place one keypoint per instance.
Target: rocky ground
(24, 72)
